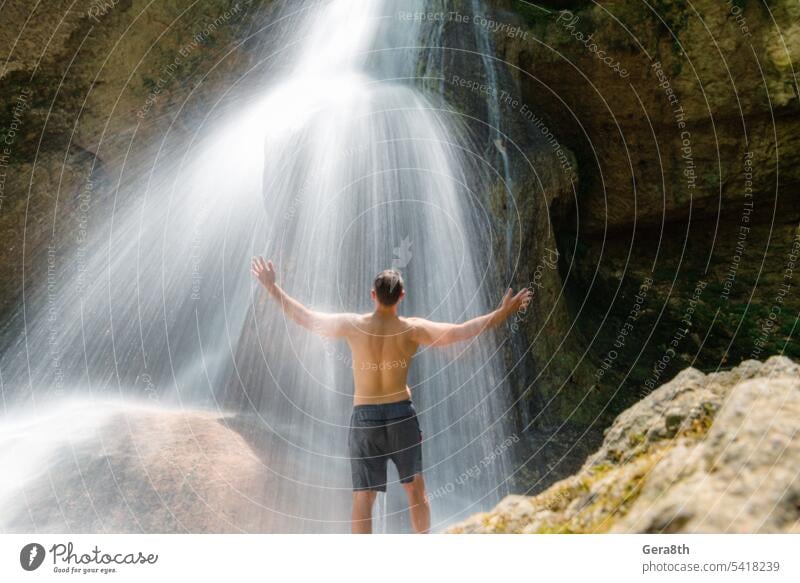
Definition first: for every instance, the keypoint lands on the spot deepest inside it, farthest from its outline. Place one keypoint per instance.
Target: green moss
(635, 439)
(561, 529)
(601, 469)
(608, 502)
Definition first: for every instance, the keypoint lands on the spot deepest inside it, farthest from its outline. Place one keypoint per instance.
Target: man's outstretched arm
(330, 325)
(441, 334)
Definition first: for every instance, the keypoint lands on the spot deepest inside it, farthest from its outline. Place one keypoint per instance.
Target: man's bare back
(384, 424)
(382, 347)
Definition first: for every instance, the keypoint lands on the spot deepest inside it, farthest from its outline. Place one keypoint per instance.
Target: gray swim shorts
(379, 433)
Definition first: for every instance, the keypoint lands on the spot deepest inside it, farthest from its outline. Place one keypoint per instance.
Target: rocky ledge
(702, 453)
(145, 470)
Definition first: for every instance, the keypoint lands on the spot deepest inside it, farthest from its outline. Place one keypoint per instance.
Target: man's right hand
(263, 271)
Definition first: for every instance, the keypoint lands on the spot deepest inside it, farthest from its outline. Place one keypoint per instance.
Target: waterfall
(496, 135)
(342, 167)
(499, 140)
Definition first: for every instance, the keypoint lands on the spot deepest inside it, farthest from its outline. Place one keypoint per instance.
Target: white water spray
(342, 168)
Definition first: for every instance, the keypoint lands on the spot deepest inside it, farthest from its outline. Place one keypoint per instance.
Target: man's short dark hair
(388, 287)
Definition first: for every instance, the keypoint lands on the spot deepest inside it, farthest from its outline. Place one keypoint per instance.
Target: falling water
(341, 168)
(497, 137)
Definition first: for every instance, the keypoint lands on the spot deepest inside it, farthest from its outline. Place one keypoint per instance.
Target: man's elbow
(304, 321)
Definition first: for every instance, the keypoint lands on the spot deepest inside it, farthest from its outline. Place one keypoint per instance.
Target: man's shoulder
(412, 323)
(360, 322)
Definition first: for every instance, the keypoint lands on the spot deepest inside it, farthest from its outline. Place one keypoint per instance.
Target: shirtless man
(384, 424)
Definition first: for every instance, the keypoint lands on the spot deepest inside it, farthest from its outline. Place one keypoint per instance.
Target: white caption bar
(395, 558)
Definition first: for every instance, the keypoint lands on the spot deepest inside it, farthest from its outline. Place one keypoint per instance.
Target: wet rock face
(680, 244)
(703, 453)
(91, 89)
(687, 83)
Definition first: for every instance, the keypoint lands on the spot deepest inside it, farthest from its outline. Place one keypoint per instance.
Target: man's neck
(384, 312)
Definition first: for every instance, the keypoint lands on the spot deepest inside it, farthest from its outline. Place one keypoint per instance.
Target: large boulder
(144, 470)
(703, 453)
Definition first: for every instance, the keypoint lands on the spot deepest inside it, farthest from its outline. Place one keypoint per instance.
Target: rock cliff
(679, 245)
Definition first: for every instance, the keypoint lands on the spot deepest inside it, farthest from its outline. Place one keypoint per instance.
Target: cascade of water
(499, 140)
(341, 169)
(496, 136)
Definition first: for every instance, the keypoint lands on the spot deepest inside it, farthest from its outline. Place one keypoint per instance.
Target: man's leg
(418, 504)
(362, 511)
